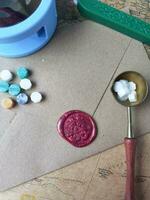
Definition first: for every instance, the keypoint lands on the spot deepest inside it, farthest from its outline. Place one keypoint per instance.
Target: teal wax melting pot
(31, 34)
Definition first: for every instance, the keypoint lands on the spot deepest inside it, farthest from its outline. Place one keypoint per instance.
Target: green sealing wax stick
(115, 19)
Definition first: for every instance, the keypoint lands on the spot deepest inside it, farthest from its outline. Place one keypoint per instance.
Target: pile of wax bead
(17, 91)
(126, 90)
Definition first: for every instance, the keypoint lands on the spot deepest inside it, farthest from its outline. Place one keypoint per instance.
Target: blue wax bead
(14, 89)
(22, 72)
(4, 86)
(22, 99)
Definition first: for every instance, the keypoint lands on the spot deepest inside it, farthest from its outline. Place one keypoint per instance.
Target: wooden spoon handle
(130, 149)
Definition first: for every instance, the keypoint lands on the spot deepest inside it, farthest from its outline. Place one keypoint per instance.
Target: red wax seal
(77, 127)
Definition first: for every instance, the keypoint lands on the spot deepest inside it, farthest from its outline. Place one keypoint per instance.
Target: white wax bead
(75, 2)
(124, 89)
(25, 84)
(36, 97)
(132, 85)
(117, 86)
(6, 75)
(132, 97)
(124, 98)
(125, 83)
(124, 92)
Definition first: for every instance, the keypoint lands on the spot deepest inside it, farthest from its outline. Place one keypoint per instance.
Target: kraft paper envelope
(73, 71)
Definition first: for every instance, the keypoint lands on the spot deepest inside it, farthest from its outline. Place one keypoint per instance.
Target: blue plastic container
(31, 34)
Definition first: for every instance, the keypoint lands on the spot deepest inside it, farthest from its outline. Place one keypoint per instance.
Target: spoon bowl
(141, 87)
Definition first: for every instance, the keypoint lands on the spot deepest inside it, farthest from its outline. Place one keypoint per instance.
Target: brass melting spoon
(130, 141)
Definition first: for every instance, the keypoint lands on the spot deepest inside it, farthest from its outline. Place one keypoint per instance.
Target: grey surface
(73, 71)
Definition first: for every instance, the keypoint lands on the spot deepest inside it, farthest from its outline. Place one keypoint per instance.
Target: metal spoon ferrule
(130, 134)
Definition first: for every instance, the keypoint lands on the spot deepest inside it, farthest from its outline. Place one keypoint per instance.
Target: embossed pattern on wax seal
(77, 127)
